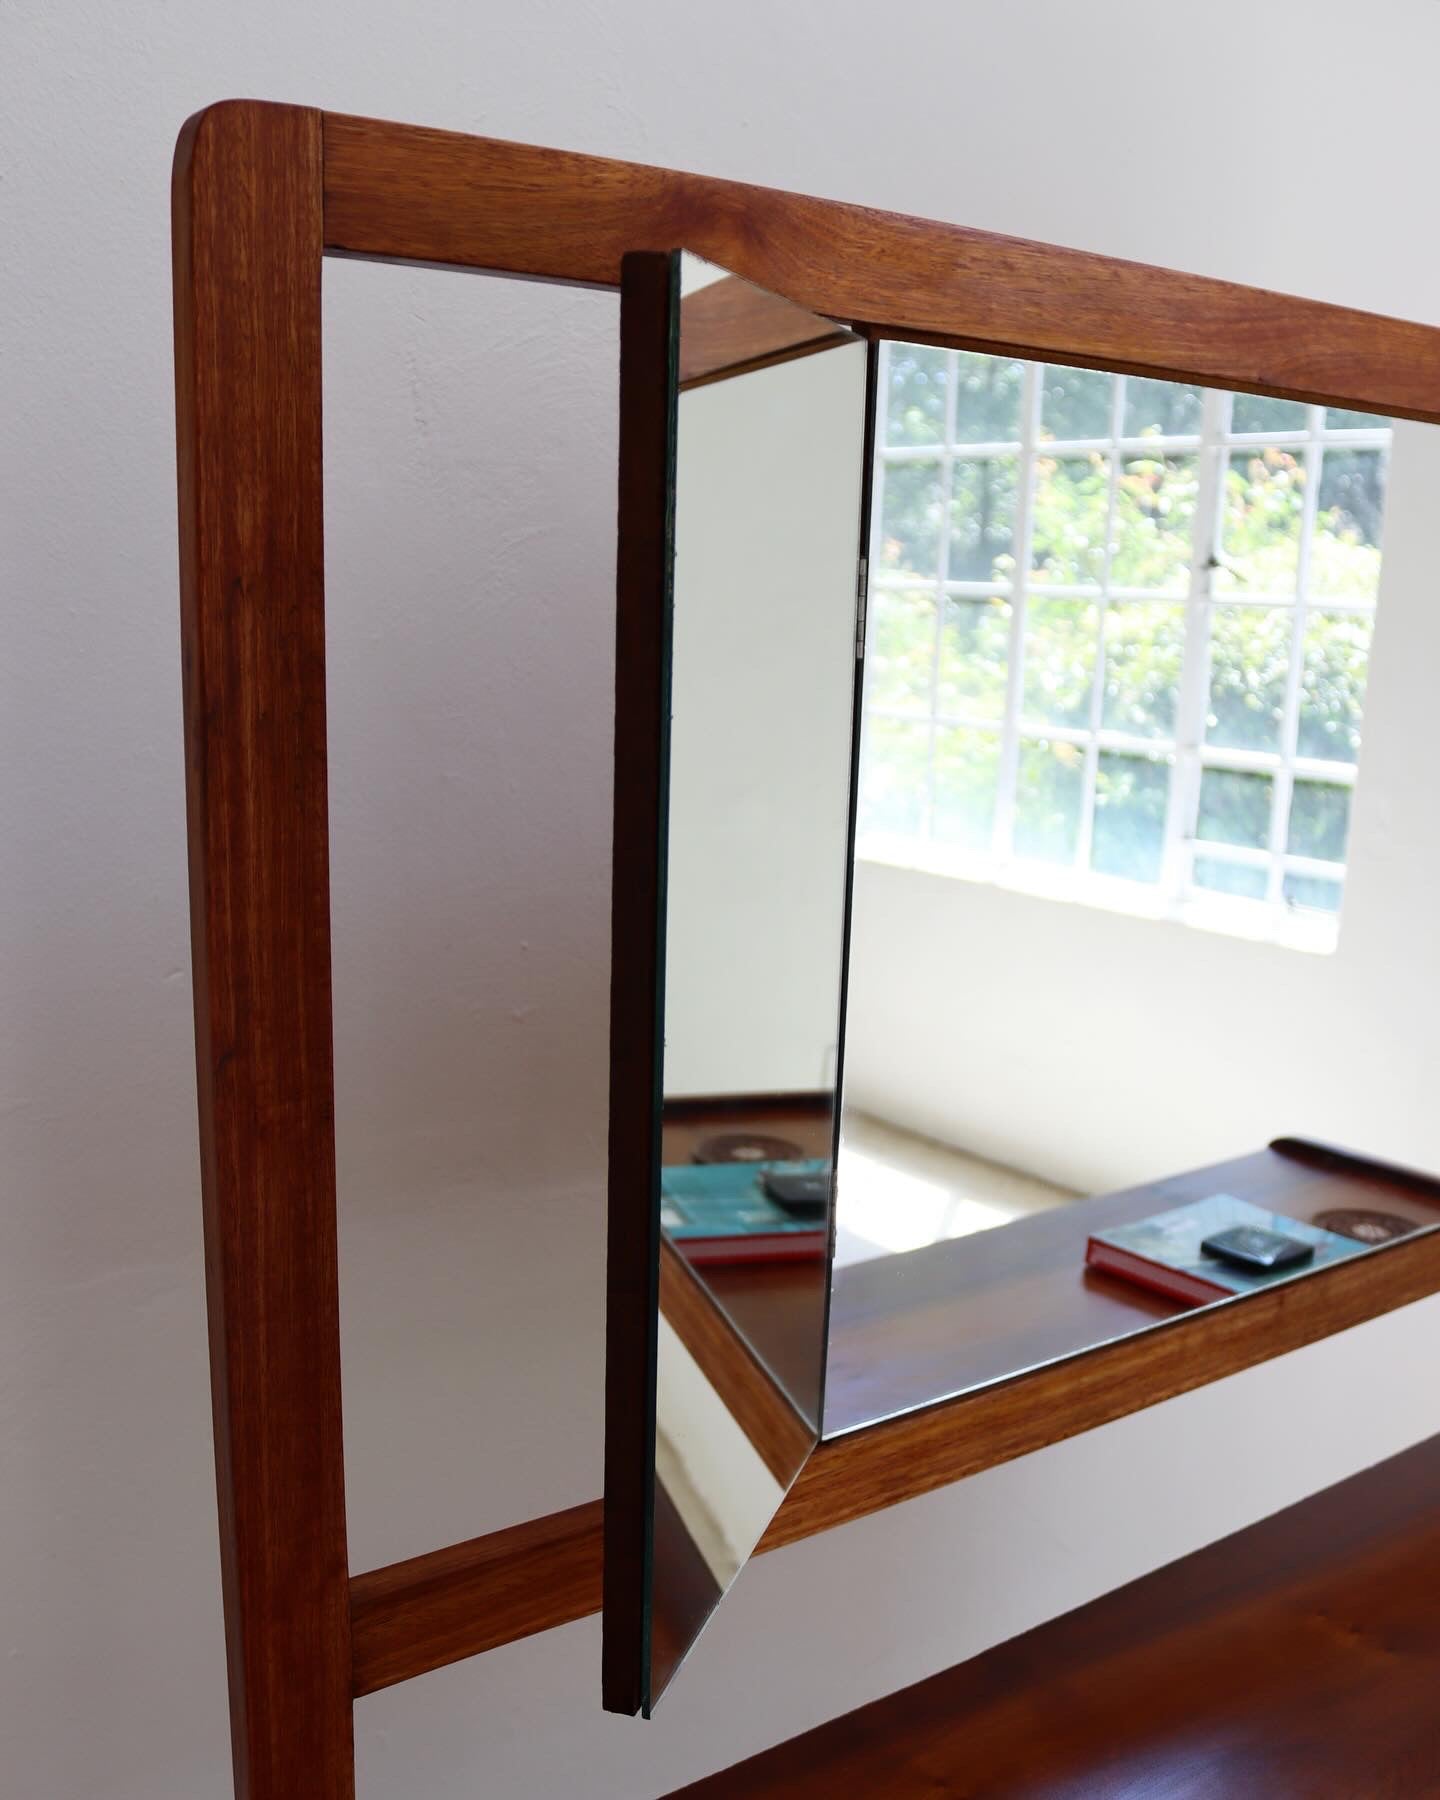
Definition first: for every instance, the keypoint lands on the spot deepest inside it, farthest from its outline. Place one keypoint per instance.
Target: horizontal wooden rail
(405, 193)
(419, 1615)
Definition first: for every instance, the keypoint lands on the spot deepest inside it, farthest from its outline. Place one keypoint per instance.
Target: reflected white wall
(767, 536)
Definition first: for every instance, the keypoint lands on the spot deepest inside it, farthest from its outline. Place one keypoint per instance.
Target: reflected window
(1119, 633)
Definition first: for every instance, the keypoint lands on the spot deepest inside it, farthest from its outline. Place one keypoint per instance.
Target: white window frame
(1187, 753)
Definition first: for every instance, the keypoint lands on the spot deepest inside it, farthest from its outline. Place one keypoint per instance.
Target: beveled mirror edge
(742, 329)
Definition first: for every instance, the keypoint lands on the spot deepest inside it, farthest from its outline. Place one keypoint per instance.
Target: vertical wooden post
(247, 246)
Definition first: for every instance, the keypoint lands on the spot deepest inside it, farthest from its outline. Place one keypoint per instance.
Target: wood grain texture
(247, 242)
(419, 1615)
(870, 1469)
(731, 327)
(876, 1467)
(649, 330)
(407, 193)
(1296, 1657)
(906, 1331)
(745, 1387)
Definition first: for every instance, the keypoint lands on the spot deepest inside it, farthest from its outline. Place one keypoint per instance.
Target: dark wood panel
(419, 1615)
(1297, 1657)
(400, 191)
(247, 241)
(649, 330)
(731, 327)
(908, 1330)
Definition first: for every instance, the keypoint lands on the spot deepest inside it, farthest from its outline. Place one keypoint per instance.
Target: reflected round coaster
(746, 1147)
(1367, 1226)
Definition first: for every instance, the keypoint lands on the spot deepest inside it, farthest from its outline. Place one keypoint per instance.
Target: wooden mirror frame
(261, 193)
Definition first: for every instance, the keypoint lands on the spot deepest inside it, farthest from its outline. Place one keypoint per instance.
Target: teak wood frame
(261, 193)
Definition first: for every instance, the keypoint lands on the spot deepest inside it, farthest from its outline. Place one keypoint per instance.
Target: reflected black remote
(803, 1196)
(1249, 1247)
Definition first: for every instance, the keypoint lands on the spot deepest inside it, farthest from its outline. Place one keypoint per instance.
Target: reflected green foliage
(982, 520)
(1161, 408)
(1060, 643)
(915, 401)
(901, 649)
(1049, 793)
(974, 657)
(967, 774)
(911, 517)
(1235, 808)
(1332, 685)
(1319, 820)
(1154, 519)
(1249, 669)
(1075, 403)
(1131, 793)
(1264, 497)
(1257, 412)
(1345, 552)
(1071, 510)
(1135, 526)
(987, 398)
(1144, 649)
(1340, 418)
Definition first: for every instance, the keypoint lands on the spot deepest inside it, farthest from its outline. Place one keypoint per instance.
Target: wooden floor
(1297, 1660)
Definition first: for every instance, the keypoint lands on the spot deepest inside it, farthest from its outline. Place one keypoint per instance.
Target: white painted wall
(767, 532)
(1099, 1049)
(471, 613)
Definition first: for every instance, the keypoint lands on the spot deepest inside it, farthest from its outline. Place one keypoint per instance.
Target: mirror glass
(769, 476)
(1122, 674)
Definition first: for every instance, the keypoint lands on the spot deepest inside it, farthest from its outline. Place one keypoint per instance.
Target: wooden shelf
(907, 1331)
(408, 1619)
(1295, 1657)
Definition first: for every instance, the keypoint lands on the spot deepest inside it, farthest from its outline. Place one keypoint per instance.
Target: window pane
(1235, 808)
(1060, 639)
(1313, 891)
(901, 651)
(1071, 510)
(1260, 523)
(1144, 645)
(1249, 666)
(1129, 834)
(967, 773)
(1338, 418)
(916, 401)
(987, 398)
(1161, 408)
(1154, 518)
(1229, 878)
(1345, 553)
(982, 520)
(1319, 820)
(1332, 685)
(1048, 798)
(1255, 412)
(1075, 403)
(974, 655)
(910, 518)
(894, 777)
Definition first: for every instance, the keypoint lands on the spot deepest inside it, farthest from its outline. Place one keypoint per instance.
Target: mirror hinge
(861, 596)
